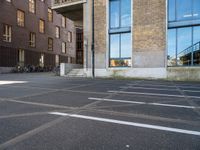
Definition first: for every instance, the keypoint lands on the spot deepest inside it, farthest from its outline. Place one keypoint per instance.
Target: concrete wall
(183, 73)
(65, 68)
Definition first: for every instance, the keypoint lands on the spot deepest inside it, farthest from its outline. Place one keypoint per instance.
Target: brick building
(31, 33)
(139, 38)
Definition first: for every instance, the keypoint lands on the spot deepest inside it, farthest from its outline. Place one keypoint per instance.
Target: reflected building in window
(183, 32)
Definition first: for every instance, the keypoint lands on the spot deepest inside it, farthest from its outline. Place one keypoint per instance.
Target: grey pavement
(40, 111)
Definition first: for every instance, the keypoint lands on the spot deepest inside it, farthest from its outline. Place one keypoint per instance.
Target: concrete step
(76, 73)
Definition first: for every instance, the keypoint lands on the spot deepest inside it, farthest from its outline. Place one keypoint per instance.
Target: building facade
(139, 38)
(31, 33)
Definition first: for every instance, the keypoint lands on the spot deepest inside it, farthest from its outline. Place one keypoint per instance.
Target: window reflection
(184, 40)
(186, 43)
(120, 49)
(196, 9)
(171, 14)
(196, 47)
(184, 37)
(114, 13)
(120, 33)
(171, 47)
(184, 9)
(114, 46)
(125, 13)
(181, 10)
(126, 45)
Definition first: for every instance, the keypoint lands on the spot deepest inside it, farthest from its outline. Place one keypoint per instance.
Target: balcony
(73, 9)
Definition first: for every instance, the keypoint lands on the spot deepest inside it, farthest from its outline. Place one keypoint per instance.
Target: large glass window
(184, 46)
(183, 32)
(120, 50)
(120, 33)
(182, 10)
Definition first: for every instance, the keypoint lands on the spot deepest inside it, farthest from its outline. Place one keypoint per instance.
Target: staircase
(76, 73)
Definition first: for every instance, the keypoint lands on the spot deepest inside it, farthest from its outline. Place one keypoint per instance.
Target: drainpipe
(92, 49)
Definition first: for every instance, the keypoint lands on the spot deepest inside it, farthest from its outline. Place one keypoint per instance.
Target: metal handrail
(190, 49)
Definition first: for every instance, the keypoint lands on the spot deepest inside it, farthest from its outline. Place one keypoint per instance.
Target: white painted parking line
(158, 89)
(142, 103)
(11, 82)
(154, 94)
(169, 86)
(135, 124)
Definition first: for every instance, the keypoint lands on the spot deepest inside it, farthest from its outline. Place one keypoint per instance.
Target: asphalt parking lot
(45, 112)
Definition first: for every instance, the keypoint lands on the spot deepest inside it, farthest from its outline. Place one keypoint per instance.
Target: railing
(65, 2)
(193, 48)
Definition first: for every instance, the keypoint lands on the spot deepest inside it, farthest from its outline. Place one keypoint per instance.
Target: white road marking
(159, 89)
(142, 103)
(141, 125)
(11, 82)
(154, 94)
(169, 86)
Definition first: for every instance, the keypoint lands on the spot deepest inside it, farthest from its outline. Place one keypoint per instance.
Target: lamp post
(92, 48)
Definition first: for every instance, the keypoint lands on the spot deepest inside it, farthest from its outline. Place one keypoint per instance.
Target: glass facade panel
(196, 34)
(196, 9)
(184, 41)
(114, 46)
(171, 12)
(126, 45)
(120, 33)
(125, 13)
(171, 47)
(184, 9)
(184, 32)
(114, 13)
(196, 47)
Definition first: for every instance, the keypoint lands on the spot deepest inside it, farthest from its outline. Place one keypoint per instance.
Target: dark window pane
(171, 47)
(126, 45)
(196, 9)
(184, 38)
(171, 10)
(125, 13)
(114, 46)
(184, 9)
(114, 13)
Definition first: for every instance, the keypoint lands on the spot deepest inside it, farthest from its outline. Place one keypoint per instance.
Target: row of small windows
(21, 23)
(7, 37)
(32, 9)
